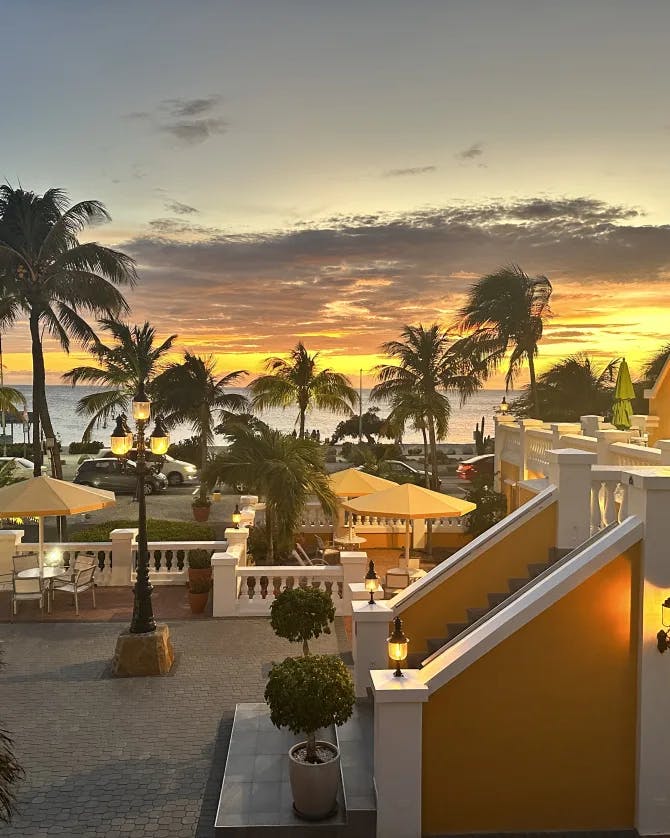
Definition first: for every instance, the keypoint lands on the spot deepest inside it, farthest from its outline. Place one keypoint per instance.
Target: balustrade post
(605, 439)
(500, 424)
(398, 719)
(651, 427)
(664, 445)
(371, 628)
(354, 566)
(124, 541)
(237, 537)
(224, 585)
(570, 471)
(649, 500)
(558, 429)
(9, 543)
(524, 425)
(590, 424)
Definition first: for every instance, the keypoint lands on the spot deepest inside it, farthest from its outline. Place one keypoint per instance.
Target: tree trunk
(38, 387)
(433, 452)
(311, 747)
(268, 527)
(305, 648)
(429, 523)
(533, 385)
(203, 455)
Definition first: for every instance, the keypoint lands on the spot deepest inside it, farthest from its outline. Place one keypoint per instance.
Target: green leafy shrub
(85, 447)
(157, 530)
(201, 502)
(187, 450)
(309, 693)
(302, 614)
(257, 544)
(199, 558)
(200, 586)
(491, 505)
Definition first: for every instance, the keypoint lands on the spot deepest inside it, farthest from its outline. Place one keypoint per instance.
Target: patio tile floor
(145, 756)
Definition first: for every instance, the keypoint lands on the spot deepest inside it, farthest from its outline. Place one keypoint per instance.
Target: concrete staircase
(416, 659)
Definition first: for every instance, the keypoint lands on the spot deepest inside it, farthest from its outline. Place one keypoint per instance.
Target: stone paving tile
(120, 757)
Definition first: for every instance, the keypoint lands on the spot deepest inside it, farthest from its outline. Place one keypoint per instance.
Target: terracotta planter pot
(198, 602)
(314, 787)
(199, 573)
(200, 513)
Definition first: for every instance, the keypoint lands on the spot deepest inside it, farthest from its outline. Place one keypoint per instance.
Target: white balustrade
(538, 443)
(258, 586)
(629, 454)
(99, 552)
(168, 561)
(608, 497)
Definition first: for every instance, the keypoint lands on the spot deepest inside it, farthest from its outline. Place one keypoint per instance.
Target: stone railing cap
(388, 688)
(571, 455)
(653, 478)
(378, 612)
(224, 559)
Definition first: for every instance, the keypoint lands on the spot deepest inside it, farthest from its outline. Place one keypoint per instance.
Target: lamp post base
(138, 655)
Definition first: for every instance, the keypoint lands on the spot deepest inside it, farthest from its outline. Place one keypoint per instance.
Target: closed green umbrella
(623, 398)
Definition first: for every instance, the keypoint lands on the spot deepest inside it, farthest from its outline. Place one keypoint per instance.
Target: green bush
(187, 450)
(199, 558)
(157, 530)
(309, 693)
(491, 505)
(85, 447)
(301, 614)
(200, 586)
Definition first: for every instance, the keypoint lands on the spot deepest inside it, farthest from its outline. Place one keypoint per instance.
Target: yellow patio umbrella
(354, 483)
(623, 398)
(39, 497)
(410, 502)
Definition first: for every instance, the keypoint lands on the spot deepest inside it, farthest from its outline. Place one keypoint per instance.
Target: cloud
(183, 108)
(188, 121)
(471, 152)
(415, 170)
(180, 209)
(196, 131)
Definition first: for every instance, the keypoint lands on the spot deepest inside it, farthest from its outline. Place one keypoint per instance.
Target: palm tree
(416, 387)
(505, 311)
(284, 469)
(575, 386)
(10, 774)
(47, 275)
(652, 369)
(192, 392)
(133, 360)
(297, 381)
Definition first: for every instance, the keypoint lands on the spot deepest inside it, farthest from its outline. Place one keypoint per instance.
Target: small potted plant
(201, 506)
(198, 594)
(301, 614)
(306, 694)
(199, 565)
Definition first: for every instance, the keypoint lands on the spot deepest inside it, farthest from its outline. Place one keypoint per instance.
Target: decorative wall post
(224, 585)
(371, 627)
(590, 424)
(649, 499)
(397, 752)
(559, 429)
(605, 439)
(237, 538)
(354, 566)
(570, 471)
(9, 544)
(500, 424)
(651, 427)
(664, 445)
(124, 541)
(524, 424)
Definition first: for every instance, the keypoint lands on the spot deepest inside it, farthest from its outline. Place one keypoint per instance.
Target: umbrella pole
(40, 549)
(407, 536)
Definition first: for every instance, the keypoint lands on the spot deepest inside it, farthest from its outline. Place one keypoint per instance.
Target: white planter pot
(315, 786)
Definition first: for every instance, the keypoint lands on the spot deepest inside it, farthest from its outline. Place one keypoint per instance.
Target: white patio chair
(305, 559)
(75, 583)
(27, 589)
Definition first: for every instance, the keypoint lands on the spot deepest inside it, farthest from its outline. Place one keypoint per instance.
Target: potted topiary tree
(199, 564)
(306, 694)
(302, 614)
(201, 506)
(198, 594)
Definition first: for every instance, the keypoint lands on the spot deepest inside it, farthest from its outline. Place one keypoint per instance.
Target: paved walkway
(128, 757)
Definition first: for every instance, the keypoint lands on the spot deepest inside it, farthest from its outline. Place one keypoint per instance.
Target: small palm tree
(652, 369)
(133, 360)
(298, 381)
(192, 392)
(49, 276)
(573, 387)
(284, 469)
(505, 311)
(416, 387)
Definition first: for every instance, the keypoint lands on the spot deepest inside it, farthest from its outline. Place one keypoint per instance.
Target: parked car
(117, 476)
(482, 465)
(404, 473)
(178, 472)
(22, 468)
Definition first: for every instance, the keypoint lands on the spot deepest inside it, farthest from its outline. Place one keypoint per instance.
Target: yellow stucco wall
(660, 406)
(428, 615)
(509, 475)
(539, 734)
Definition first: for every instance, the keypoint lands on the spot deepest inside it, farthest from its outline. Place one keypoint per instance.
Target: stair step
(535, 569)
(475, 614)
(556, 553)
(435, 643)
(454, 629)
(517, 583)
(497, 599)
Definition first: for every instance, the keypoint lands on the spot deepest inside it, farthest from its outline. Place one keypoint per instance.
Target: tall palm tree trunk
(269, 524)
(533, 385)
(433, 452)
(38, 386)
(204, 425)
(429, 523)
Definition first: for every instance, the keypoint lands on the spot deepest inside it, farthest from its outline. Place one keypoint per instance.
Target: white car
(22, 468)
(178, 472)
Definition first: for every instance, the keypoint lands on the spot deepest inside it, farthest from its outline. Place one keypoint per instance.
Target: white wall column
(500, 424)
(237, 538)
(371, 628)
(570, 471)
(124, 541)
(590, 424)
(224, 585)
(354, 567)
(558, 429)
(9, 545)
(649, 499)
(605, 439)
(664, 445)
(397, 752)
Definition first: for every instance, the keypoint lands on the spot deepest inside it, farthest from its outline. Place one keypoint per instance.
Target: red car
(475, 466)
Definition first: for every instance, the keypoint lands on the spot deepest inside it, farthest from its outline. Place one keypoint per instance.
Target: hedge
(157, 530)
(85, 447)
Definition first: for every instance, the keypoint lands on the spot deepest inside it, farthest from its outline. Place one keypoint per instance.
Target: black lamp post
(371, 582)
(143, 620)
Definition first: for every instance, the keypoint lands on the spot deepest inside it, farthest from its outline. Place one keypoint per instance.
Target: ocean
(63, 399)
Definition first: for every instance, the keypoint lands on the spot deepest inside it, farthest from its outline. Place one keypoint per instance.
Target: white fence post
(123, 542)
(590, 424)
(237, 538)
(354, 567)
(570, 470)
(224, 585)
(651, 428)
(397, 752)
(558, 429)
(605, 439)
(649, 499)
(664, 445)
(371, 628)
(9, 541)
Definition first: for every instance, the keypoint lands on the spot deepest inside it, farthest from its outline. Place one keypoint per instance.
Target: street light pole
(143, 614)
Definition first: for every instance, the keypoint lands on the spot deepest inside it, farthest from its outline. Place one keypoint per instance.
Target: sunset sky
(328, 171)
